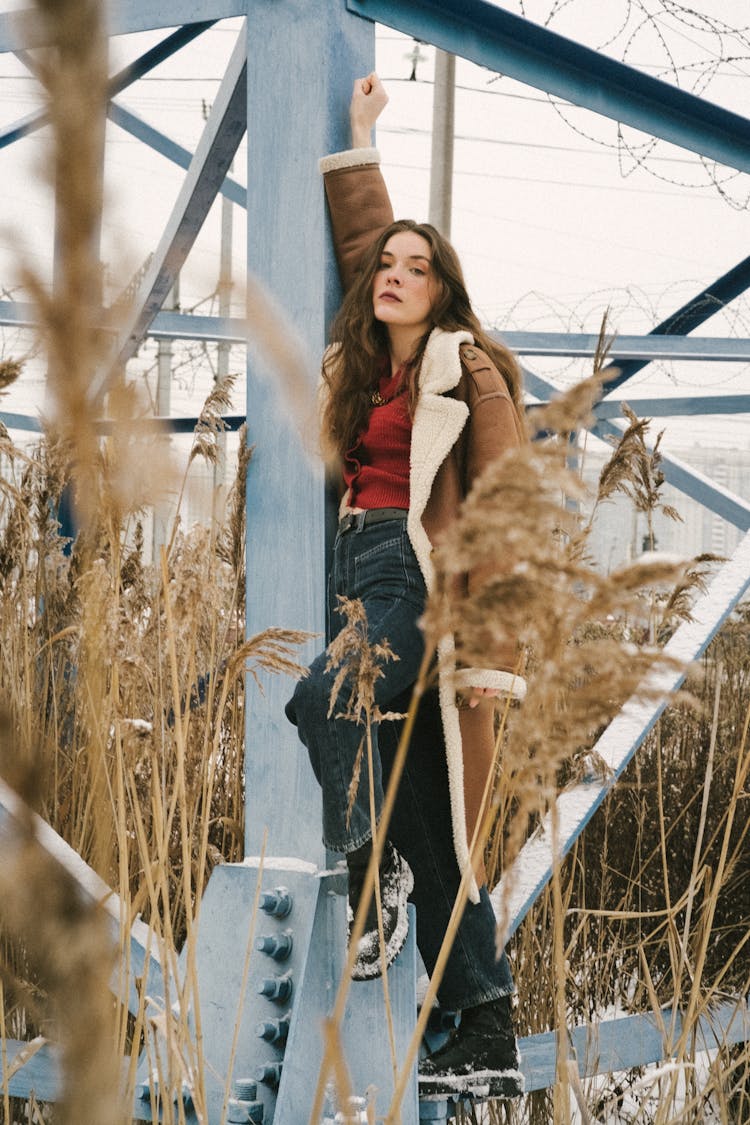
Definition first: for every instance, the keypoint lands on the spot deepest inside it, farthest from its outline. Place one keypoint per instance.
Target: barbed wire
(629, 309)
(657, 26)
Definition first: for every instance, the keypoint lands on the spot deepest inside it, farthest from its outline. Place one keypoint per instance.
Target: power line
(600, 150)
(545, 180)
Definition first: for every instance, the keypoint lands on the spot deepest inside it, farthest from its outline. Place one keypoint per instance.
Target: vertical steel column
(441, 164)
(303, 60)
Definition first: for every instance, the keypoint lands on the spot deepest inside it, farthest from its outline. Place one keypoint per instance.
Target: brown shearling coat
(465, 418)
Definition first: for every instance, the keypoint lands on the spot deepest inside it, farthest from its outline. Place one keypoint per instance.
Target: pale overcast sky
(554, 218)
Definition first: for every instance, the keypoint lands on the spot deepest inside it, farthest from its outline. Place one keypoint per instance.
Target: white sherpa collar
(441, 362)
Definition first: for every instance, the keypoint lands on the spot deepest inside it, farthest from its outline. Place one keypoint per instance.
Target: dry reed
(124, 714)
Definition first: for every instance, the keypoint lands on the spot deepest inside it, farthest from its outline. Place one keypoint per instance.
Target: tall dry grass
(122, 717)
(652, 906)
(121, 683)
(151, 792)
(590, 641)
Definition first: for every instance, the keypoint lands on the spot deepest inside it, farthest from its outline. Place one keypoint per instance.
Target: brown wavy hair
(352, 366)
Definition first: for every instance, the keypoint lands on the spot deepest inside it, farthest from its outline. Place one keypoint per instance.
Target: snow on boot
(396, 883)
(479, 1059)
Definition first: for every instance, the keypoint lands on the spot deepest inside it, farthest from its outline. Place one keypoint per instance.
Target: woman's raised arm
(358, 200)
(369, 99)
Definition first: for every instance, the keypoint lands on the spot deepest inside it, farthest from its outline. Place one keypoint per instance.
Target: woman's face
(403, 287)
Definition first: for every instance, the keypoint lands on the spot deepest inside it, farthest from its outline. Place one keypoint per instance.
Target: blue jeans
(376, 563)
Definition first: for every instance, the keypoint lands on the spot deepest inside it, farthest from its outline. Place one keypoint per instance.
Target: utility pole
(222, 364)
(443, 115)
(162, 505)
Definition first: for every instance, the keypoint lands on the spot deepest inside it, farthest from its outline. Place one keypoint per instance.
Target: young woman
(418, 401)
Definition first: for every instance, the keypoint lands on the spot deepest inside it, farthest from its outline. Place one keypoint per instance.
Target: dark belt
(359, 520)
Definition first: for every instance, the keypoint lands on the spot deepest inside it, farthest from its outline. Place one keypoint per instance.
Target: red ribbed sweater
(376, 469)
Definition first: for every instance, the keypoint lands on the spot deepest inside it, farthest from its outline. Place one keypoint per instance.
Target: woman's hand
(479, 693)
(369, 99)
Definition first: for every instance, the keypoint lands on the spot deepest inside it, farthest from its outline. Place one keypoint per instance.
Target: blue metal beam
(630, 1041)
(495, 38)
(532, 870)
(598, 1048)
(699, 309)
(22, 29)
(16, 820)
(233, 330)
(676, 472)
(156, 55)
(221, 137)
(166, 325)
(187, 326)
(678, 407)
(290, 251)
(168, 148)
(127, 120)
(649, 348)
(665, 408)
(106, 426)
(40, 1073)
(124, 78)
(20, 422)
(22, 128)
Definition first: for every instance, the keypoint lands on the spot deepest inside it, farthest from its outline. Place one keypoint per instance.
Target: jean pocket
(380, 569)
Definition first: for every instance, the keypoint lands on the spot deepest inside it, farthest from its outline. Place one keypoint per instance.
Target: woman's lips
(388, 296)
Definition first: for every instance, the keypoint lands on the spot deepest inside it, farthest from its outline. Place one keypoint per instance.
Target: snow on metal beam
(15, 818)
(600, 1048)
(21, 29)
(32, 1066)
(521, 49)
(630, 1041)
(221, 137)
(532, 869)
(166, 147)
(697, 310)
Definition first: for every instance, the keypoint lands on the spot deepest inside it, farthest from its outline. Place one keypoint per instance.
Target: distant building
(620, 533)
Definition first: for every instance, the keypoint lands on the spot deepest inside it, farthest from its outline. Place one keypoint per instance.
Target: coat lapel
(438, 422)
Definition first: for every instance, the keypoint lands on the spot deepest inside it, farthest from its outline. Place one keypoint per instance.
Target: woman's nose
(393, 277)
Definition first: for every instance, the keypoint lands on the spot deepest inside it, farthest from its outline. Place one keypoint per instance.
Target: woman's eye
(418, 271)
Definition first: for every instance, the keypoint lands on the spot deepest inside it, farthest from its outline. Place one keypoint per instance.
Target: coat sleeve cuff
(352, 158)
(510, 682)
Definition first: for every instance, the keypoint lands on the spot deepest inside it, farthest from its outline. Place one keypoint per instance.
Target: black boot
(396, 883)
(480, 1058)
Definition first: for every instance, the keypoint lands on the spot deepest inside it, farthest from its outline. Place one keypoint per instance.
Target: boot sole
(479, 1084)
(371, 970)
